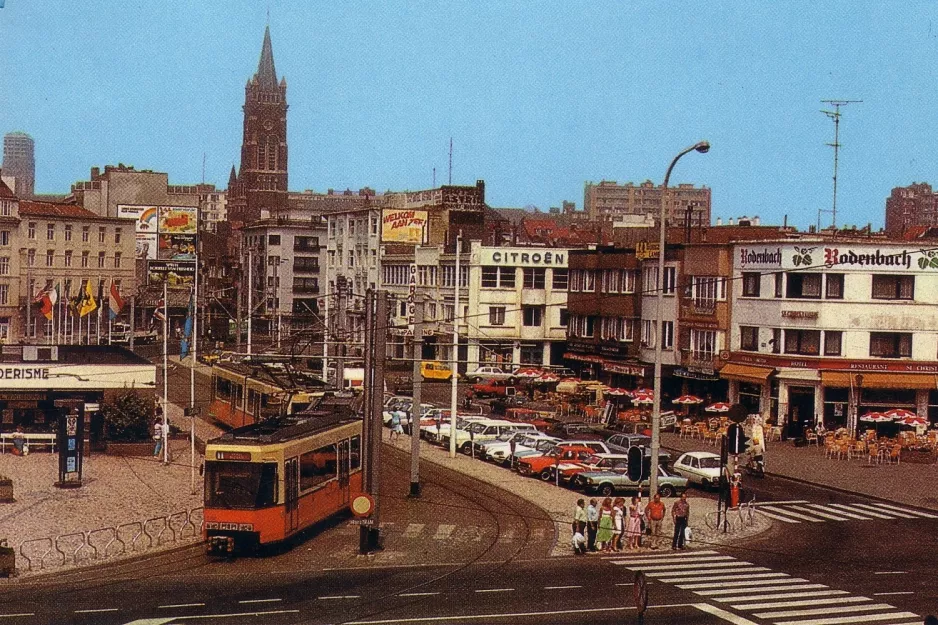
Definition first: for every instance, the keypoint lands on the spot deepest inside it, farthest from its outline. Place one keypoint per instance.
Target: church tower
(262, 179)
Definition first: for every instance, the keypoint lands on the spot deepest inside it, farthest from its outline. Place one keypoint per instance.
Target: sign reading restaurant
(821, 256)
(523, 256)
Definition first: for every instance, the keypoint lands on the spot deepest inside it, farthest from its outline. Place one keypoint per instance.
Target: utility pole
(415, 412)
(454, 360)
(341, 284)
(250, 295)
(450, 160)
(326, 328)
(376, 314)
(835, 115)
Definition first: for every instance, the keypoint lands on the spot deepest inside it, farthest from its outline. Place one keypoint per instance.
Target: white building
(829, 330)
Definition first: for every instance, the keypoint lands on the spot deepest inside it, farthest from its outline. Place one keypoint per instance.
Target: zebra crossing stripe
(683, 555)
(799, 603)
(858, 618)
(825, 611)
(779, 503)
(852, 515)
(692, 565)
(793, 587)
(443, 532)
(821, 511)
(785, 595)
(737, 586)
(878, 515)
(668, 559)
(722, 578)
(791, 513)
(915, 512)
(413, 530)
(776, 516)
(902, 514)
(708, 572)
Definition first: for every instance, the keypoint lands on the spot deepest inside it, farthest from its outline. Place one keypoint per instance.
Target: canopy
(617, 392)
(876, 417)
(914, 421)
(900, 413)
(528, 373)
(718, 407)
(687, 400)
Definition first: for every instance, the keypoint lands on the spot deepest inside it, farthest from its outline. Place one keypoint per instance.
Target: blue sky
(538, 96)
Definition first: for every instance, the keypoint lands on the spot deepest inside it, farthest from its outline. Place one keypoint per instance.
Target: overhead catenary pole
(325, 338)
(165, 431)
(194, 354)
(380, 334)
(250, 296)
(415, 411)
(454, 360)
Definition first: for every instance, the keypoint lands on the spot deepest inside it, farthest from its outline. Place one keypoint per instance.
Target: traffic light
(636, 463)
(736, 441)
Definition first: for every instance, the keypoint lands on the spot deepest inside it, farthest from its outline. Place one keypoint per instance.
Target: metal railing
(135, 537)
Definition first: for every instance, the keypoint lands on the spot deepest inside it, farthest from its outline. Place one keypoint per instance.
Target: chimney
(732, 221)
(719, 221)
(756, 221)
(95, 172)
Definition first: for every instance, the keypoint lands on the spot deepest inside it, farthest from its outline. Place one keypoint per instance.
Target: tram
(244, 393)
(267, 481)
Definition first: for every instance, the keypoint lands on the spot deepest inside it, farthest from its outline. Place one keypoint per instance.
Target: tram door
(292, 494)
(344, 458)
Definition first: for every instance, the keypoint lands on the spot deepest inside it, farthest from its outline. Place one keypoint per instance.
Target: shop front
(850, 395)
(749, 385)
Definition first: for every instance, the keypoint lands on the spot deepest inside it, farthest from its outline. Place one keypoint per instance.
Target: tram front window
(240, 485)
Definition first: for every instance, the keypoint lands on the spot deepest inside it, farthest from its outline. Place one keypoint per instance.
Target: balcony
(302, 265)
(707, 362)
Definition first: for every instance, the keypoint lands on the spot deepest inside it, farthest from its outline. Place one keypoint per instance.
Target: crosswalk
(453, 533)
(802, 511)
(762, 593)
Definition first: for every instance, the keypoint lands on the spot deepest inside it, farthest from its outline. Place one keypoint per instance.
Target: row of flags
(83, 304)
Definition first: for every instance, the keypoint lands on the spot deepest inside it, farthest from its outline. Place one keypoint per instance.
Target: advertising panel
(144, 216)
(825, 256)
(523, 256)
(178, 219)
(146, 245)
(403, 226)
(176, 247)
(175, 274)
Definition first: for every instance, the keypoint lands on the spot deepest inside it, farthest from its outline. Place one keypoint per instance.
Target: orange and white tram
(266, 482)
(246, 392)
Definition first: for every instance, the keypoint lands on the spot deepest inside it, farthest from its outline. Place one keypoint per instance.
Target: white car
(432, 434)
(699, 467)
(500, 452)
(488, 373)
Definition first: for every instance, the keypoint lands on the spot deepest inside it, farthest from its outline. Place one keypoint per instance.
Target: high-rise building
(19, 162)
(608, 199)
(261, 182)
(914, 205)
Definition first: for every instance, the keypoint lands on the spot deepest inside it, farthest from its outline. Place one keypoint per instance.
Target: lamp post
(703, 147)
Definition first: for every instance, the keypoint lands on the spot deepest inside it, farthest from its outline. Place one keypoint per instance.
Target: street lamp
(703, 147)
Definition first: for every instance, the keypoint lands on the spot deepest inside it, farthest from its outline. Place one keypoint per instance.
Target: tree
(127, 416)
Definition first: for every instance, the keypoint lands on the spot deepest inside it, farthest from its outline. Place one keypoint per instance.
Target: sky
(538, 97)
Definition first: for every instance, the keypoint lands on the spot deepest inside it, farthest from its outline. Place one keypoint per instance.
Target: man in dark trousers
(680, 513)
(592, 525)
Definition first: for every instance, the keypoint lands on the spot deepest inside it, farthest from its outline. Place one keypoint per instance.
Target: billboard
(174, 274)
(146, 245)
(166, 237)
(403, 226)
(178, 220)
(176, 247)
(145, 217)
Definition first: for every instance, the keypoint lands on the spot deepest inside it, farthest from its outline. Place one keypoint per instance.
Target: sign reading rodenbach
(866, 258)
(523, 257)
(403, 226)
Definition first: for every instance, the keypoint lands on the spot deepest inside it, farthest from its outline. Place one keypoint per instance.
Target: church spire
(266, 72)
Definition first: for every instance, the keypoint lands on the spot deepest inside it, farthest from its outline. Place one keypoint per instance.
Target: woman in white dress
(618, 516)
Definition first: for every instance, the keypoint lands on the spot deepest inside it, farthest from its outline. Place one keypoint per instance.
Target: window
(804, 285)
(779, 284)
(496, 315)
(101, 260)
(50, 232)
(102, 234)
(834, 286)
(609, 328)
(560, 279)
(706, 290)
(752, 281)
(4, 294)
(534, 278)
(351, 227)
(748, 338)
(667, 335)
(532, 316)
(804, 342)
(626, 330)
(117, 235)
(318, 466)
(703, 344)
(564, 317)
(609, 281)
(494, 277)
(68, 232)
(374, 225)
(890, 345)
(84, 259)
(893, 287)
(273, 239)
(833, 339)
(85, 233)
(31, 230)
(4, 266)
(648, 333)
(31, 258)
(776, 340)
(627, 280)
(117, 260)
(6, 208)
(670, 280)
(50, 258)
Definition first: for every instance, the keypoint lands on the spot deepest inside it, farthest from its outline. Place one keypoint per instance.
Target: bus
(268, 481)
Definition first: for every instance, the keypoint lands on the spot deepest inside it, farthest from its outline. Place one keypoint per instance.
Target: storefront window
(749, 395)
(835, 407)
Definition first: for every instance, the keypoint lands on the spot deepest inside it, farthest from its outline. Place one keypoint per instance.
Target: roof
(5, 191)
(701, 454)
(32, 208)
(266, 72)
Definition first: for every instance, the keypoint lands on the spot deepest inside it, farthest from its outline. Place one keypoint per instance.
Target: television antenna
(834, 115)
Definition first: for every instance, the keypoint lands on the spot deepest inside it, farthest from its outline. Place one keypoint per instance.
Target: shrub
(127, 417)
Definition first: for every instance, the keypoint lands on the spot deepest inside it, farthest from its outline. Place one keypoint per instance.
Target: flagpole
(165, 372)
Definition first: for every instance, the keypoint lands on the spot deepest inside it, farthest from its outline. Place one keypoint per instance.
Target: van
(432, 370)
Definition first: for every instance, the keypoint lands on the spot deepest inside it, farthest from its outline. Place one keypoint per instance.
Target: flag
(115, 302)
(187, 328)
(44, 301)
(158, 313)
(88, 303)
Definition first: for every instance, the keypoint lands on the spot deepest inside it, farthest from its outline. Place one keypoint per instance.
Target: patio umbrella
(914, 420)
(528, 373)
(548, 378)
(900, 413)
(643, 398)
(617, 392)
(687, 400)
(718, 407)
(875, 418)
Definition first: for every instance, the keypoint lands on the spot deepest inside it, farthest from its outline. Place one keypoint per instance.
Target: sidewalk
(910, 484)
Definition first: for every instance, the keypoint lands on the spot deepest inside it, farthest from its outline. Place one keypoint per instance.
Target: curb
(854, 493)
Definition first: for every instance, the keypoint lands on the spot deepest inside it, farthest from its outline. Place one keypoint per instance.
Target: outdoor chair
(812, 437)
(872, 453)
(894, 453)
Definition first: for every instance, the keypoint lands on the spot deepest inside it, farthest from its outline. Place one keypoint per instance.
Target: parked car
(488, 373)
(607, 483)
(486, 430)
(542, 466)
(502, 443)
(630, 440)
(593, 462)
(493, 388)
(432, 370)
(596, 446)
(570, 429)
(435, 432)
(700, 467)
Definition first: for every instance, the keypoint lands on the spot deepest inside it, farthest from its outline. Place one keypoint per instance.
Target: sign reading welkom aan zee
(821, 257)
(403, 226)
(523, 257)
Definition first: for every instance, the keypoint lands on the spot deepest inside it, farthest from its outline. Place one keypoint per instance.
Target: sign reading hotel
(523, 257)
(823, 256)
(403, 226)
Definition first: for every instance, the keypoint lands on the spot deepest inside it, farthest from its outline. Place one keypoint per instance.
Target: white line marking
(96, 611)
(701, 565)
(791, 513)
(895, 512)
(259, 600)
(670, 560)
(181, 605)
(418, 594)
(878, 515)
(755, 582)
(333, 597)
(560, 587)
(626, 584)
(750, 569)
(917, 512)
(864, 618)
(477, 617)
(495, 590)
(723, 614)
(824, 611)
(413, 530)
(786, 595)
(798, 603)
(777, 517)
(852, 515)
(886, 594)
(721, 578)
(825, 512)
(388, 566)
(231, 615)
(779, 503)
(891, 573)
(793, 589)
(21, 614)
(653, 556)
(443, 532)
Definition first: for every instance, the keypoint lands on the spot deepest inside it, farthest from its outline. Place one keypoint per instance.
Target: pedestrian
(467, 404)
(634, 527)
(680, 513)
(579, 543)
(618, 518)
(640, 505)
(606, 526)
(158, 437)
(654, 514)
(579, 517)
(19, 442)
(592, 525)
(396, 428)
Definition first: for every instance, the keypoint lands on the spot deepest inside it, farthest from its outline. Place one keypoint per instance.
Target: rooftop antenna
(450, 160)
(203, 167)
(433, 186)
(835, 115)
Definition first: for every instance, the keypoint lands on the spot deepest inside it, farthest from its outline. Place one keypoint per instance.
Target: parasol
(718, 407)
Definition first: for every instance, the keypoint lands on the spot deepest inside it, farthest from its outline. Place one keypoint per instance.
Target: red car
(542, 466)
(595, 462)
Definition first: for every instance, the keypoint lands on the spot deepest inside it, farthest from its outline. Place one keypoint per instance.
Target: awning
(892, 380)
(746, 373)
